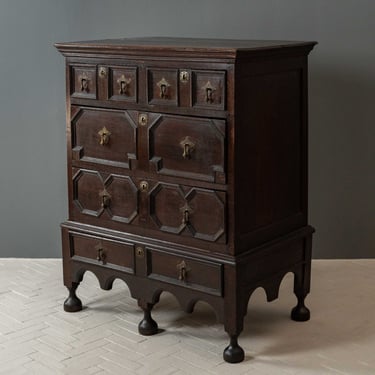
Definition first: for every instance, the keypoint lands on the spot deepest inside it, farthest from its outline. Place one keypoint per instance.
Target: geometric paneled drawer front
(185, 271)
(117, 195)
(195, 212)
(122, 83)
(188, 147)
(83, 81)
(102, 252)
(209, 89)
(103, 136)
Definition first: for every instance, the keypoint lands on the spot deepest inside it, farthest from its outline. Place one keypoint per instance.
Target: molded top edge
(161, 45)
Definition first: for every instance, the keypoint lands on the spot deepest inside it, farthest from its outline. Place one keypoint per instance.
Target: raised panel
(188, 147)
(124, 198)
(166, 201)
(87, 186)
(104, 137)
(207, 216)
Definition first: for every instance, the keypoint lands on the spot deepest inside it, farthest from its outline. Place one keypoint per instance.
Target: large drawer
(102, 251)
(103, 136)
(185, 271)
(189, 147)
(122, 202)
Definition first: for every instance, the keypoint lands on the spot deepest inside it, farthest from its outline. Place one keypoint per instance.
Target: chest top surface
(226, 48)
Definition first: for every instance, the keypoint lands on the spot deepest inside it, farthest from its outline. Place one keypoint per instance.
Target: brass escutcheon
(139, 252)
(103, 71)
(184, 76)
(142, 119)
(143, 185)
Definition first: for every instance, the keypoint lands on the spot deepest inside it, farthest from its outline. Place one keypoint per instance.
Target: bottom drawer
(103, 252)
(185, 271)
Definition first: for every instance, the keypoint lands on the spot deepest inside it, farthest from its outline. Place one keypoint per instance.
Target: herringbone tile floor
(38, 337)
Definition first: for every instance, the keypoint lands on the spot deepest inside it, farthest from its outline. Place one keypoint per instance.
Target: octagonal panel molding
(116, 195)
(124, 198)
(87, 186)
(201, 211)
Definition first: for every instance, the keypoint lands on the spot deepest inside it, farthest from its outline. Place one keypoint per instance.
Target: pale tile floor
(37, 337)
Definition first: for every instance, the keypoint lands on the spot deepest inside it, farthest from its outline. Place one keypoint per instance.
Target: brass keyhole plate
(184, 76)
(143, 185)
(139, 252)
(142, 119)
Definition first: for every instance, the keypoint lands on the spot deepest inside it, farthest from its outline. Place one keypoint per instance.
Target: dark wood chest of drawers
(187, 172)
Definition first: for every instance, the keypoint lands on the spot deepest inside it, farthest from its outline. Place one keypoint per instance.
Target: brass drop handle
(123, 85)
(106, 199)
(186, 153)
(182, 271)
(104, 135)
(186, 211)
(209, 95)
(187, 147)
(84, 84)
(185, 217)
(209, 90)
(101, 257)
(163, 87)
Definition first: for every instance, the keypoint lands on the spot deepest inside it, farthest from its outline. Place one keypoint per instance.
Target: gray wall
(342, 87)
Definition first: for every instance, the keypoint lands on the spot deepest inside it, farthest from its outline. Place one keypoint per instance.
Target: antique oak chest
(187, 172)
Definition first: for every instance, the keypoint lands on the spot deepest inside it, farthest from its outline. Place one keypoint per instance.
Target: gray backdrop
(342, 92)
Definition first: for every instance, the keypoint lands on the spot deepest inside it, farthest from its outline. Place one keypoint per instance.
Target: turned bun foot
(72, 303)
(300, 313)
(233, 353)
(147, 327)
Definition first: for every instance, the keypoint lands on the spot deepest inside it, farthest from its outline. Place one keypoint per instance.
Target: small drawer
(209, 89)
(185, 271)
(122, 84)
(102, 252)
(162, 86)
(83, 81)
(103, 136)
